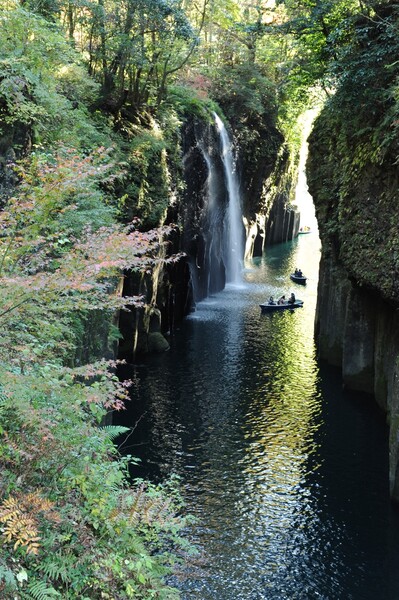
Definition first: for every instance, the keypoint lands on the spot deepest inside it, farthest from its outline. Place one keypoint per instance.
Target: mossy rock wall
(268, 217)
(268, 180)
(359, 332)
(356, 197)
(333, 289)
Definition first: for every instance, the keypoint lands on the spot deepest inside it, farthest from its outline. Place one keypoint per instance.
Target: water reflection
(286, 474)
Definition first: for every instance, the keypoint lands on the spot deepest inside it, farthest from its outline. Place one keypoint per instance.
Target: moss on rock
(157, 342)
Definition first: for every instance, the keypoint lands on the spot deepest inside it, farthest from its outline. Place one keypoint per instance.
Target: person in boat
(271, 300)
(281, 300)
(291, 299)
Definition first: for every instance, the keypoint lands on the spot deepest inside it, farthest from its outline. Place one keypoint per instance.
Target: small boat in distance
(272, 307)
(298, 277)
(305, 229)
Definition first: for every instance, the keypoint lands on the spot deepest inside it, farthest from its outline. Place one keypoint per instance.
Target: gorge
(149, 157)
(285, 472)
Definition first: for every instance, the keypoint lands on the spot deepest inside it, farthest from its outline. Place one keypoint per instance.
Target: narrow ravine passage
(285, 472)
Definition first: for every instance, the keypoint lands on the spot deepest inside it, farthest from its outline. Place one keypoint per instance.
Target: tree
(72, 524)
(134, 47)
(62, 253)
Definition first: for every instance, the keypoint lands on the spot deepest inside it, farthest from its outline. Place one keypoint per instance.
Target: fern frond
(9, 509)
(20, 515)
(38, 503)
(53, 570)
(113, 431)
(23, 530)
(40, 590)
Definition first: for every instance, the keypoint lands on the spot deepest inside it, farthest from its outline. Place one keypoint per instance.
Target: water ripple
(284, 473)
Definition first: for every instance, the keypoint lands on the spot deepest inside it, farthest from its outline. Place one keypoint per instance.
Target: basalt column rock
(199, 206)
(357, 316)
(359, 341)
(268, 180)
(359, 332)
(333, 292)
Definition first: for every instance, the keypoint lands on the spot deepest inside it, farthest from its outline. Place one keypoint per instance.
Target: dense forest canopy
(92, 97)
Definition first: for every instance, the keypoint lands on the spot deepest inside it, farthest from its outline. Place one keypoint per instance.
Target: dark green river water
(285, 472)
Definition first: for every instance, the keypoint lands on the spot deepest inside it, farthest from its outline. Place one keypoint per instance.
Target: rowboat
(298, 278)
(268, 307)
(305, 229)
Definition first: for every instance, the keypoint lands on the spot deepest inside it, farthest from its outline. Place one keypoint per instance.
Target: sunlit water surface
(285, 473)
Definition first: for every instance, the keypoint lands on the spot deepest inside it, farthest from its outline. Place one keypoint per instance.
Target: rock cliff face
(359, 331)
(15, 142)
(171, 291)
(199, 211)
(353, 178)
(198, 204)
(357, 320)
(268, 216)
(267, 184)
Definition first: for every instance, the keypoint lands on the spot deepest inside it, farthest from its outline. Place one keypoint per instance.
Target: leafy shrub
(72, 526)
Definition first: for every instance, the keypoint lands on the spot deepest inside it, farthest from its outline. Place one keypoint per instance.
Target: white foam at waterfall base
(233, 220)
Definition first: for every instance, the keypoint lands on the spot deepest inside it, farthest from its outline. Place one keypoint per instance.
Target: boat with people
(282, 304)
(298, 277)
(305, 229)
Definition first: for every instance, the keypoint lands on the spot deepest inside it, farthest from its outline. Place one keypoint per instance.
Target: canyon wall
(357, 319)
(199, 211)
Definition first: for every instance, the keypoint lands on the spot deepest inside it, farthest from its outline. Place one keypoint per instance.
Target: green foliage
(42, 591)
(113, 431)
(73, 83)
(134, 49)
(8, 580)
(186, 101)
(62, 482)
(152, 168)
(62, 190)
(244, 90)
(43, 86)
(30, 52)
(357, 131)
(147, 192)
(96, 535)
(365, 98)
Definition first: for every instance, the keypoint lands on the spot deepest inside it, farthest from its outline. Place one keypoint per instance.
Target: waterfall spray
(234, 241)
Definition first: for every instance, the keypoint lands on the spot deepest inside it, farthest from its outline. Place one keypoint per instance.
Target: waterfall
(234, 242)
(212, 212)
(213, 225)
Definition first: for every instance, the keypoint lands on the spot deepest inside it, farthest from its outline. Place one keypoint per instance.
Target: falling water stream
(285, 472)
(212, 226)
(234, 243)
